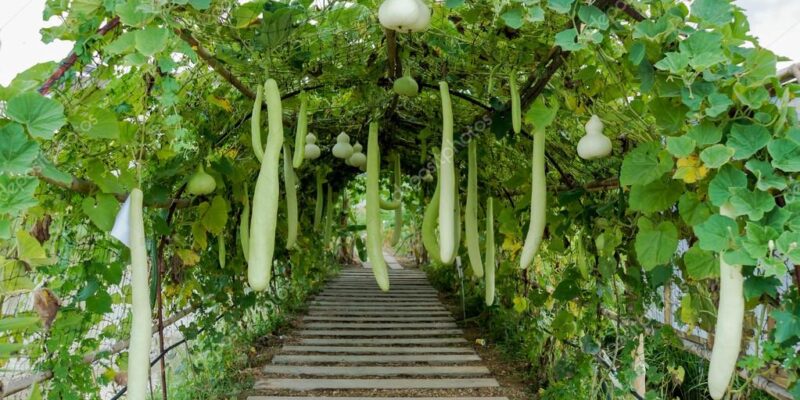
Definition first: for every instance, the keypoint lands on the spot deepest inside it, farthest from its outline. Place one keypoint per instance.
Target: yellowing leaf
(690, 169)
(520, 304)
(511, 245)
(189, 257)
(220, 102)
(30, 251)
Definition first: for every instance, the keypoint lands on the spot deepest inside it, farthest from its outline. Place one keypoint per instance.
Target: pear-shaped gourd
(594, 145)
(399, 15)
(342, 149)
(201, 183)
(358, 158)
(424, 18)
(406, 86)
(427, 177)
(311, 150)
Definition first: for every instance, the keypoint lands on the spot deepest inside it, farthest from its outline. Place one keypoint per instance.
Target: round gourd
(730, 319)
(594, 144)
(201, 183)
(399, 15)
(406, 86)
(312, 151)
(342, 149)
(373, 215)
(141, 330)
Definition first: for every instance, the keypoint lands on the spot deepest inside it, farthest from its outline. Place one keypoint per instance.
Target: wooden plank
(378, 332)
(378, 312)
(377, 307)
(373, 358)
(421, 317)
(377, 349)
(320, 370)
(370, 398)
(406, 341)
(317, 384)
(379, 325)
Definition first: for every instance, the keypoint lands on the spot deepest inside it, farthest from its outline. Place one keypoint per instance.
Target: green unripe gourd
(319, 202)
(255, 125)
(447, 199)
(201, 183)
(267, 196)
(406, 86)
(538, 201)
(398, 212)
(471, 211)
(244, 224)
(141, 330)
(300, 133)
(516, 108)
(429, 219)
(291, 197)
(374, 235)
(489, 265)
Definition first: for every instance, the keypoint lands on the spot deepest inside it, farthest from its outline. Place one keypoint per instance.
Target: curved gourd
(244, 224)
(447, 199)
(255, 125)
(471, 211)
(301, 132)
(374, 235)
(291, 197)
(538, 201)
(266, 199)
(429, 219)
(489, 265)
(141, 331)
(398, 212)
(516, 108)
(326, 230)
(319, 202)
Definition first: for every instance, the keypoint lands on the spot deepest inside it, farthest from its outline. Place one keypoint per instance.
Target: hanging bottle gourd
(406, 86)
(427, 177)
(404, 15)
(358, 159)
(342, 149)
(201, 183)
(312, 151)
(594, 144)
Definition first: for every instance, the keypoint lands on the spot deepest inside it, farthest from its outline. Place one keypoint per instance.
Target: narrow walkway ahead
(357, 343)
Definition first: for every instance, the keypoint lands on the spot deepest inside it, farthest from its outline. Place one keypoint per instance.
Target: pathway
(357, 343)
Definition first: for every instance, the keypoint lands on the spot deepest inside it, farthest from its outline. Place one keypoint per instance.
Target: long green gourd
(301, 132)
(319, 203)
(221, 252)
(516, 109)
(326, 230)
(538, 200)
(489, 265)
(730, 318)
(267, 196)
(429, 219)
(244, 224)
(471, 211)
(398, 212)
(447, 199)
(374, 235)
(291, 197)
(457, 227)
(255, 125)
(141, 331)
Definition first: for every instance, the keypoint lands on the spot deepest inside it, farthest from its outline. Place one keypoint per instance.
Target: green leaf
(31, 251)
(716, 155)
(751, 203)
(760, 66)
(701, 264)
(124, 43)
(19, 323)
(756, 286)
(650, 29)
(513, 18)
(747, 140)
(453, 3)
(133, 13)
(84, 7)
(753, 97)
(673, 62)
(101, 210)
(560, 6)
(15, 277)
(593, 17)
(215, 217)
(17, 194)
(17, 151)
(96, 124)
(756, 239)
(787, 326)
(655, 196)
(765, 174)
(535, 14)
(789, 245)
(703, 50)
(568, 40)
(727, 178)
(705, 133)
(713, 12)
(637, 52)
(151, 40)
(200, 4)
(51, 172)
(680, 146)
(645, 164)
(655, 244)
(40, 115)
(718, 104)
(716, 233)
(692, 210)
(540, 115)
(785, 154)
(670, 115)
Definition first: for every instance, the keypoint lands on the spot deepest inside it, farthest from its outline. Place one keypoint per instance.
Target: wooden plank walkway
(358, 343)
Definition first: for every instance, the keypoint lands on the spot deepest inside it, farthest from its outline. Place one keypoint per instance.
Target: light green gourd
(291, 197)
(447, 199)
(398, 212)
(374, 235)
(489, 265)
(141, 330)
(301, 132)
(471, 211)
(255, 125)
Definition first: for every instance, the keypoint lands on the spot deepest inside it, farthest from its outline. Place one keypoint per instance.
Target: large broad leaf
(692, 210)
(716, 233)
(96, 123)
(17, 194)
(757, 238)
(40, 115)
(747, 140)
(787, 326)
(215, 216)
(701, 264)
(728, 177)
(134, 13)
(785, 154)
(756, 286)
(151, 40)
(713, 12)
(789, 244)
(717, 155)
(101, 210)
(540, 115)
(705, 133)
(767, 179)
(655, 196)
(19, 323)
(31, 251)
(560, 6)
(645, 164)
(655, 244)
(14, 277)
(17, 151)
(751, 203)
(568, 40)
(593, 17)
(703, 49)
